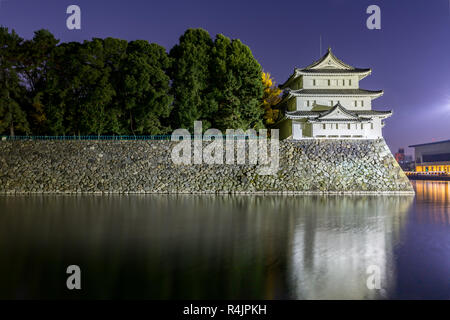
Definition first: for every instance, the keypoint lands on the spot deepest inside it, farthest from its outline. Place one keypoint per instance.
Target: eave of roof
(359, 113)
(339, 120)
(333, 71)
(430, 143)
(299, 114)
(335, 92)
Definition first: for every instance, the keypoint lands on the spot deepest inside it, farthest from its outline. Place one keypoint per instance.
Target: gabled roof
(328, 64)
(329, 61)
(337, 112)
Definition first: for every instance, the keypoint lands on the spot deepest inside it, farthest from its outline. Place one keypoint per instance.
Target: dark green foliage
(237, 87)
(12, 115)
(217, 82)
(191, 78)
(145, 88)
(112, 86)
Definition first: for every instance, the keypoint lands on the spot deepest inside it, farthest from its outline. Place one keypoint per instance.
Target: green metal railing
(118, 138)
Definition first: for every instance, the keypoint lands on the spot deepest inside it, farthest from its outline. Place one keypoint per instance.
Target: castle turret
(324, 100)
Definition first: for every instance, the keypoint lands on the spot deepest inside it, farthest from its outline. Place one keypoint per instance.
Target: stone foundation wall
(312, 166)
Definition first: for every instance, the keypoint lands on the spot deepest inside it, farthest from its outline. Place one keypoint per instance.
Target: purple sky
(409, 56)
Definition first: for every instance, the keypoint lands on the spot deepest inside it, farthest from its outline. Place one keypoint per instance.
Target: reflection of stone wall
(146, 167)
(200, 247)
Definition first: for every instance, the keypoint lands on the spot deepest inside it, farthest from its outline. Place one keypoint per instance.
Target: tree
(82, 88)
(218, 83)
(110, 86)
(271, 97)
(12, 116)
(63, 87)
(237, 87)
(96, 91)
(114, 58)
(190, 74)
(146, 88)
(36, 55)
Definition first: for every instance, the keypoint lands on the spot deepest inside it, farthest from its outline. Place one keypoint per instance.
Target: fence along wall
(310, 166)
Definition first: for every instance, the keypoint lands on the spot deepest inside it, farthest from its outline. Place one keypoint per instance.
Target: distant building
(433, 156)
(405, 161)
(400, 155)
(324, 100)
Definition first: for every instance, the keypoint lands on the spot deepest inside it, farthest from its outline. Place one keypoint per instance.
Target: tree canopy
(112, 86)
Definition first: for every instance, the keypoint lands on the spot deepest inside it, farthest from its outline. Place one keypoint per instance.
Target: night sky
(409, 56)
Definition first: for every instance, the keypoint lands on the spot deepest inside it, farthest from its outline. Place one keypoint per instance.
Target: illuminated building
(432, 157)
(324, 100)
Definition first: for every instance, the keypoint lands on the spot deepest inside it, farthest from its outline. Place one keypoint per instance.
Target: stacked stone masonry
(307, 166)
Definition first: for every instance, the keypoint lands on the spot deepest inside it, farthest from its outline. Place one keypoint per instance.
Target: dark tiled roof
(317, 116)
(326, 56)
(426, 144)
(334, 71)
(335, 92)
(358, 113)
(342, 68)
(339, 107)
(371, 112)
(340, 120)
(304, 113)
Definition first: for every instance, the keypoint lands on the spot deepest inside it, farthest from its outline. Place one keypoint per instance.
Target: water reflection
(336, 241)
(433, 198)
(424, 255)
(210, 247)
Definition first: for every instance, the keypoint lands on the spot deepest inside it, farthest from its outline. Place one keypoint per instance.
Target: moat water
(228, 247)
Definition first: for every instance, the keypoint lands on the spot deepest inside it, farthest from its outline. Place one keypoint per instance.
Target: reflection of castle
(338, 238)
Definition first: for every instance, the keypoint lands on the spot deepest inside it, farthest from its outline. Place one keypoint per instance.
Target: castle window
(314, 102)
(343, 82)
(337, 126)
(362, 103)
(348, 126)
(356, 103)
(371, 126)
(307, 103)
(362, 126)
(331, 102)
(324, 126)
(314, 82)
(350, 82)
(329, 82)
